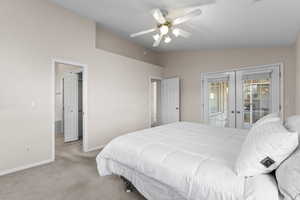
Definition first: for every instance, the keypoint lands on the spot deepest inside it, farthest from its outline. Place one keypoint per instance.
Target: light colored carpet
(73, 176)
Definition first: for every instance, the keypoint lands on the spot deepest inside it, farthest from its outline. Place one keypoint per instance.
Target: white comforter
(195, 160)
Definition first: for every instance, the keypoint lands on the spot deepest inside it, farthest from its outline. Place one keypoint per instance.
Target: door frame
(149, 96)
(84, 102)
(252, 67)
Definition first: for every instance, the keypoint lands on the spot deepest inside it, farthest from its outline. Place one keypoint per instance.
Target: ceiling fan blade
(179, 32)
(177, 12)
(206, 2)
(143, 32)
(187, 17)
(158, 16)
(157, 42)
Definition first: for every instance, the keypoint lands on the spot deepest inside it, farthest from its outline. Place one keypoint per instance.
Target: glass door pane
(218, 103)
(219, 99)
(256, 99)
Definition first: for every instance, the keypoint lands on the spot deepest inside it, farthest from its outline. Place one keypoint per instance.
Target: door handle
(238, 112)
(232, 111)
(177, 108)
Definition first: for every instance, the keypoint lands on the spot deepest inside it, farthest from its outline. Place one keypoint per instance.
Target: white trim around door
(84, 102)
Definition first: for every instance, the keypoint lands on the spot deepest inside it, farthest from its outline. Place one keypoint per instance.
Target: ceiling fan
(167, 22)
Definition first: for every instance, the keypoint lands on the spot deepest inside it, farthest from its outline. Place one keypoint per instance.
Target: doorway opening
(70, 101)
(164, 101)
(155, 102)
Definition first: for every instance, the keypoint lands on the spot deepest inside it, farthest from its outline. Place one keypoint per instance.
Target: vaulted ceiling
(225, 24)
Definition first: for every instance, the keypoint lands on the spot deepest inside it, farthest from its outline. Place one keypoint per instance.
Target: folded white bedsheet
(195, 160)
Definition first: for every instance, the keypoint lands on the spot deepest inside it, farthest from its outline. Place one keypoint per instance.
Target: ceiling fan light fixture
(166, 22)
(176, 32)
(168, 39)
(164, 29)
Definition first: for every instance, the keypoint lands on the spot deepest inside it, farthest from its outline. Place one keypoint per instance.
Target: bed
(186, 161)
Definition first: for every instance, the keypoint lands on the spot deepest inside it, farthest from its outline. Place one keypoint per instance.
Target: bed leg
(128, 186)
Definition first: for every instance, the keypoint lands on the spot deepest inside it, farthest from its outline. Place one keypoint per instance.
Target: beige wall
(298, 74)
(189, 65)
(33, 32)
(109, 41)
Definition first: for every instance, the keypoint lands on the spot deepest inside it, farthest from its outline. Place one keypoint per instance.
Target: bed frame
(129, 187)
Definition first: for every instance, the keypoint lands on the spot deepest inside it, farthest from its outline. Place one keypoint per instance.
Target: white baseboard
(95, 148)
(9, 171)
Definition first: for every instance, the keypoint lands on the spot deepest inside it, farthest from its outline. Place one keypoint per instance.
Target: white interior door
(219, 99)
(258, 94)
(170, 100)
(70, 91)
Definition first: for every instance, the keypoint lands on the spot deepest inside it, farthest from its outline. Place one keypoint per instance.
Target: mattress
(189, 161)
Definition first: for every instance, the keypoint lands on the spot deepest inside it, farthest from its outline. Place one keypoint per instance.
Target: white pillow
(265, 147)
(261, 187)
(293, 123)
(273, 117)
(288, 177)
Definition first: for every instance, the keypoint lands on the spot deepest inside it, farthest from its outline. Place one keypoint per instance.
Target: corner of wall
(161, 59)
(297, 49)
(109, 41)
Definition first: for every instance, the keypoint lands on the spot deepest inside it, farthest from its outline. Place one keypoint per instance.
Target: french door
(239, 98)
(219, 99)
